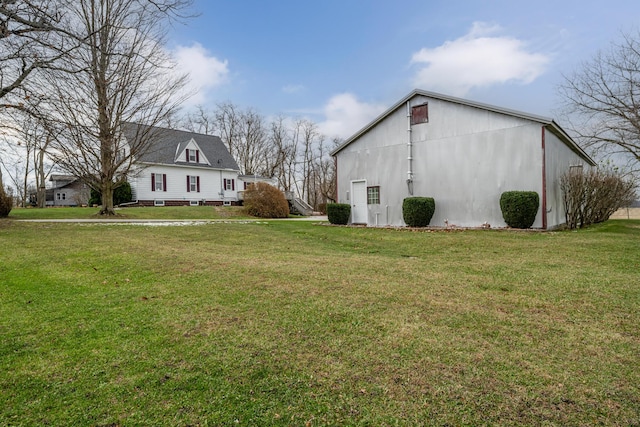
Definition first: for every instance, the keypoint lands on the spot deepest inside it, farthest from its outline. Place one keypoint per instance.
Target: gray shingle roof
(165, 143)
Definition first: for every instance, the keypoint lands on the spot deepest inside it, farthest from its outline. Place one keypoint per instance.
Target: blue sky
(341, 63)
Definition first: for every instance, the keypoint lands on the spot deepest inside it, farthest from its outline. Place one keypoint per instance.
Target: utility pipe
(409, 151)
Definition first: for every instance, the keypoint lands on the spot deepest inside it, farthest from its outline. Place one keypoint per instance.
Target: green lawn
(167, 212)
(291, 323)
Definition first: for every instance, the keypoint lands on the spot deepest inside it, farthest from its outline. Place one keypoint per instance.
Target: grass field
(167, 212)
(291, 323)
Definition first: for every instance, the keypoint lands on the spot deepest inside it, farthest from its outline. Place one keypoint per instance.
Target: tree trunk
(107, 199)
(41, 194)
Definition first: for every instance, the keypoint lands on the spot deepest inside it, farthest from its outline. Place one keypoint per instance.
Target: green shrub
(6, 203)
(519, 208)
(418, 211)
(121, 194)
(265, 201)
(338, 213)
(95, 198)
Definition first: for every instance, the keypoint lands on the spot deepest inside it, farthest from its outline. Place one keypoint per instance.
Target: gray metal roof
(166, 143)
(546, 121)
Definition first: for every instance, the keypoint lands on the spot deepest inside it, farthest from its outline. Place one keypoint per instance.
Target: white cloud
(205, 72)
(345, 114)
(480, 58)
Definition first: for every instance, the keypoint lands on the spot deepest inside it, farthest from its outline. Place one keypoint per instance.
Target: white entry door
(359, 202)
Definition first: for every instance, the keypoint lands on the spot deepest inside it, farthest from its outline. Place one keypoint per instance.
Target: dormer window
(193, 156)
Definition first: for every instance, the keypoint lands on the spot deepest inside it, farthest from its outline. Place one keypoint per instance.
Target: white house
(462, 153)
(183, 168)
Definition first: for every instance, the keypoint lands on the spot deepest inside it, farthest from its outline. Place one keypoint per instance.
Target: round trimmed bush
(519, 208)
(338, 213)
(418, 211)
(265, 201)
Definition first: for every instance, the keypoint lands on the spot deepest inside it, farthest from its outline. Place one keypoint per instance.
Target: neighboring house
(67, 190)
(462, 153)
(183, 168)
(246, 180)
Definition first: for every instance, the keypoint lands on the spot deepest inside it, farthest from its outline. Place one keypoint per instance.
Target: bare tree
(291, 150)
(31, 37)
(244, 132)
(25, 143)
(603, 101)
(200, 121)
(283, 154)
(120, 74)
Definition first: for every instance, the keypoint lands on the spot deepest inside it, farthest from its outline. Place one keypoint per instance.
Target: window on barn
(420, 114)
(373, 195)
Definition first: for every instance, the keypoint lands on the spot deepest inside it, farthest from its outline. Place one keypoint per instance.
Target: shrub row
(121, 194)
(519, 209)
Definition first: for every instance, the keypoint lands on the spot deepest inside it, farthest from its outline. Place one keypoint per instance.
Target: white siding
(211, 184)
(464, 158)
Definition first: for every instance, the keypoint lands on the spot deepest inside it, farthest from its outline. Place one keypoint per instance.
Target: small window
(193, 183)
(420, 114)
(373, 195)
(227, 203)
(159, 181)
(194, 203)
(193, 156)
(158, 203)
(229, 184)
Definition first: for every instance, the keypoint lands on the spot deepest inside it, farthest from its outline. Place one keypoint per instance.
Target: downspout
(544, 182)
(409, 151)
(335, 170)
